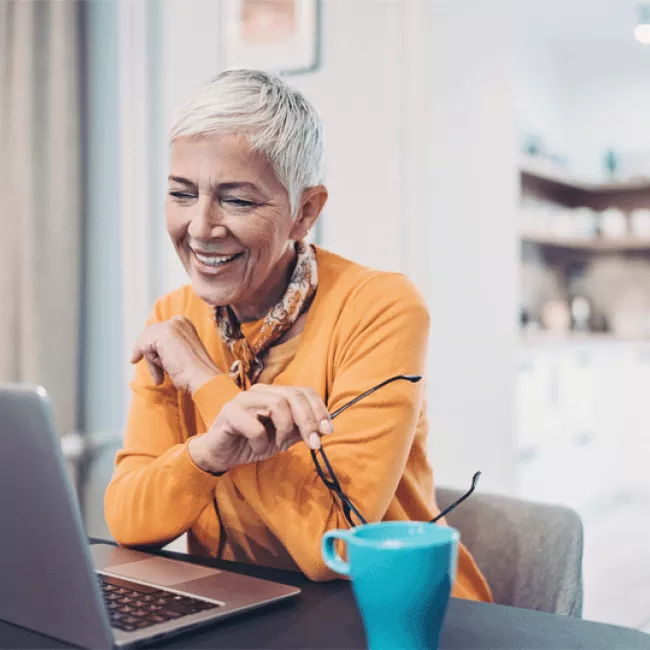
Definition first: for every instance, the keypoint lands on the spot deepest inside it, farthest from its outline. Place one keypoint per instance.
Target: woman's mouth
(211, 263)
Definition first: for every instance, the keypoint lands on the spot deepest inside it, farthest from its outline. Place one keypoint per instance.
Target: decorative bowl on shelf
(585, 222)
(556, 316)
(613, 223)
(640, 223)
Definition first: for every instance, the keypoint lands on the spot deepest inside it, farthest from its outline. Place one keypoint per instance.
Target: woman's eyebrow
(238, 185)
(226, 186)
(181, 180)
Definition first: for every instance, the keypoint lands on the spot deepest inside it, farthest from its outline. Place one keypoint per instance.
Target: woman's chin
(213, 288)
(212, 293)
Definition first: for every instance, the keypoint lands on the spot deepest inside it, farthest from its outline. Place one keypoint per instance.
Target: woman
(236, 374)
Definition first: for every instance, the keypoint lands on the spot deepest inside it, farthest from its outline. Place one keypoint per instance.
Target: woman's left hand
(174, 347)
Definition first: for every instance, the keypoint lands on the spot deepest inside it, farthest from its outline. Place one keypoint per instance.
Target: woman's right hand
(258, 424)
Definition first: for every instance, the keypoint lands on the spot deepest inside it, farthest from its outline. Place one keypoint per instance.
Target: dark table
(325, 616)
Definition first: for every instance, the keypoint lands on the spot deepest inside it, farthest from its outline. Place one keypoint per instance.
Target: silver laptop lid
(47, 583)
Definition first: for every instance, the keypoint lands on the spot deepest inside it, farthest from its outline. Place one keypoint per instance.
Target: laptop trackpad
(161, 571)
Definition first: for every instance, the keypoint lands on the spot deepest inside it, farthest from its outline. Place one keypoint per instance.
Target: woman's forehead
(219, 159)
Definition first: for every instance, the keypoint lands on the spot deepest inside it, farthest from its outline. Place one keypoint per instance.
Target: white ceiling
(566, 22)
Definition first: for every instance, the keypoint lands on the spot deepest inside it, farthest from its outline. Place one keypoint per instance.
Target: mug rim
(450, 535)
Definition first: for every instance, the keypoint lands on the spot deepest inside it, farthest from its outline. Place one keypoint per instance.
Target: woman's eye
(239, 203)
(182, 195)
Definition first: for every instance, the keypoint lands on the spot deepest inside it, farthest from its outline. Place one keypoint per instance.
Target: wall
(607, 98)
(540, 91)
(584, 98)
(471, 241)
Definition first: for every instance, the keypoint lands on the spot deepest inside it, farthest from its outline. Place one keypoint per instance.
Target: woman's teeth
(214, 260)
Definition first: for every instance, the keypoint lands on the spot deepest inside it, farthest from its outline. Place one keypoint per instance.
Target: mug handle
(330, 556)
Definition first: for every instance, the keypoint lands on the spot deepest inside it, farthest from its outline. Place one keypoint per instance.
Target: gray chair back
(530, 554)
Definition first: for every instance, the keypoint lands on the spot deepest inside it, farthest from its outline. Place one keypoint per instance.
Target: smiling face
(229, 218)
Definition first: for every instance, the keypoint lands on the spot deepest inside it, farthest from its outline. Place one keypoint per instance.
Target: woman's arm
(157, 492)
(383, 332)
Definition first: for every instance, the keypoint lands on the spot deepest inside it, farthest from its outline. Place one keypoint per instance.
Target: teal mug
(402, 573)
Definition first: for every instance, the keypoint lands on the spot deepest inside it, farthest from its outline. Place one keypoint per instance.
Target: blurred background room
(495, 151)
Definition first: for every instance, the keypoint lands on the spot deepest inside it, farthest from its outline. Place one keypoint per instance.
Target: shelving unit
(567, 253)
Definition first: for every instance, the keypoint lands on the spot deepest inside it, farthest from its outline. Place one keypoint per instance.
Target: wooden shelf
(559, 181)
(596, 245)
(558, 339)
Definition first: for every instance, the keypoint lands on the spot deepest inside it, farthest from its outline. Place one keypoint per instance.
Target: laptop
(94, 596)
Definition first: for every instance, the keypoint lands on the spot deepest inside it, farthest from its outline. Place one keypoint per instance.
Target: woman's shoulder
(362, 287)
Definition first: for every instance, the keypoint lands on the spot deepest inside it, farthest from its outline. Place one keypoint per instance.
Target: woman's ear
(311, 205)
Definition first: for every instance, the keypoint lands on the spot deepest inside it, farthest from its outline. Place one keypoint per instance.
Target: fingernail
(314, 441)
(286, 446)
(326, 427)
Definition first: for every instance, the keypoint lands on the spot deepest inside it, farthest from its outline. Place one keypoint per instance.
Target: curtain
(41, 199)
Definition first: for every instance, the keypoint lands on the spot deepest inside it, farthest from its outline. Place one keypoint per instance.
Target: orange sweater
(363, 327)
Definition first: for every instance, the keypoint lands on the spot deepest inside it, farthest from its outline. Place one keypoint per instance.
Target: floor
(616, 569)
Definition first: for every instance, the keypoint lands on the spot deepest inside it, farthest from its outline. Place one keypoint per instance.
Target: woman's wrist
(201, 378)
(200, 457)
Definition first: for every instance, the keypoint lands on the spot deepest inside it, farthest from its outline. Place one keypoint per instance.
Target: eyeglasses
(328, 476)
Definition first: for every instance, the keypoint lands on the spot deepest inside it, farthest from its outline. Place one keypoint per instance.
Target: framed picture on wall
(278, 36)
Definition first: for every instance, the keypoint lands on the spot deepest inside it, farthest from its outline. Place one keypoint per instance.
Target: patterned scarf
(246, 369)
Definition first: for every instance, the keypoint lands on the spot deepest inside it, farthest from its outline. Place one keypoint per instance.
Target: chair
(530, 554)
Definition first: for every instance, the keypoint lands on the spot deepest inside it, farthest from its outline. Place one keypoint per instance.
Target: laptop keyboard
(132, 606)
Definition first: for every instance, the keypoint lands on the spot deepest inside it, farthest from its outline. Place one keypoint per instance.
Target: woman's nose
(206, 222)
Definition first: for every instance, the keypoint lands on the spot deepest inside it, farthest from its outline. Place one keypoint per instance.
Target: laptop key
(189, 606)
(143, 623)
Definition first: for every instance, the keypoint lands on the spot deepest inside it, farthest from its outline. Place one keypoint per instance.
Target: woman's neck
(271, 291)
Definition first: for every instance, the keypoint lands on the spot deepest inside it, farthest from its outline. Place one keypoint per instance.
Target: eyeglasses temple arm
(412, 378)
(456, 503)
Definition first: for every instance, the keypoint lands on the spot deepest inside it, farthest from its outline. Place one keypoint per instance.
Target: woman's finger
(154, 364)
(137, 354)
(319, 410)
(157, 373)
(290, 442)
(279, 413)
(247, 425)
(304, 417)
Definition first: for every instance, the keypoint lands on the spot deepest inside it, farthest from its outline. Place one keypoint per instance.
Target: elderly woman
(238, 372)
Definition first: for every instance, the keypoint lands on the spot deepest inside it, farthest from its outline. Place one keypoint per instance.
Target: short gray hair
(278, 121)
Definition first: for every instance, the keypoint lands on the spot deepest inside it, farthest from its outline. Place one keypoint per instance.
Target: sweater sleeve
(382, 331)
(157, 492)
